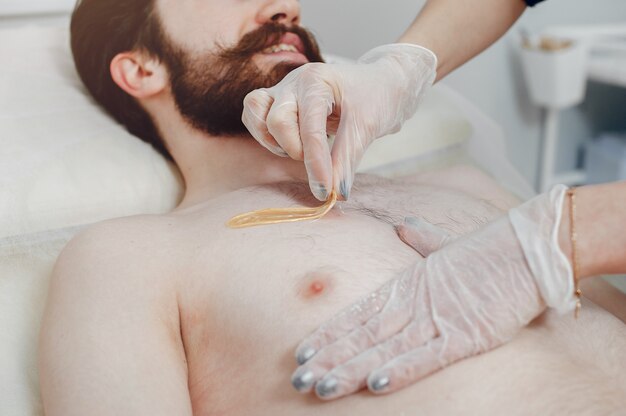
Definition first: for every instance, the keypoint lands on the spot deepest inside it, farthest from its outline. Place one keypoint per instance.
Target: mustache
(270, 34)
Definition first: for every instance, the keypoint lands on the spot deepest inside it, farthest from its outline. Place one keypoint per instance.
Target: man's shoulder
(120, 234)
(109, 282)
(121, 248)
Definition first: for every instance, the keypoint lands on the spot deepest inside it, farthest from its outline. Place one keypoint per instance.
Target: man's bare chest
(353, 231)
(244, 289)
(295, 268)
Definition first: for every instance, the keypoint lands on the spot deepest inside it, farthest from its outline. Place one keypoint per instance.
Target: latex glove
(469, 297)
(370, 98)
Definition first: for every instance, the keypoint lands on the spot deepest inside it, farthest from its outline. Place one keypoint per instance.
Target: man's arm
(110, 341)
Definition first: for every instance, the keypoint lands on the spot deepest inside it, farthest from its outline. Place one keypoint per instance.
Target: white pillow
(437, 125)
(64, 162)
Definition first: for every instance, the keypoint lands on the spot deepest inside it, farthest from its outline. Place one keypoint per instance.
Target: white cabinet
(604, 49)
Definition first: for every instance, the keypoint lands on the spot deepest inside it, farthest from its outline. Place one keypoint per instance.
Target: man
(177, 314)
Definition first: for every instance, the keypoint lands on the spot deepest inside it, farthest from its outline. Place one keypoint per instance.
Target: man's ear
(139, 74)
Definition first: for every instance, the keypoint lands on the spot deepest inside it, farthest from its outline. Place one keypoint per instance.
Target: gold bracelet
(573, 236)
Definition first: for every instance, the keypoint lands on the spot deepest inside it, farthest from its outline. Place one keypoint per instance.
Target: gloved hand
(470, 296)
(358, 102)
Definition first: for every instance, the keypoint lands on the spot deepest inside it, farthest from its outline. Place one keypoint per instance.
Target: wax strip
(280, 215)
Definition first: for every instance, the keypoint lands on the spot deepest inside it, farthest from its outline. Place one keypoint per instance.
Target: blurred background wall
(493, 80)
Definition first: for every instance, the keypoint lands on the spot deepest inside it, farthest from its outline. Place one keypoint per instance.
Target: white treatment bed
(64, 165)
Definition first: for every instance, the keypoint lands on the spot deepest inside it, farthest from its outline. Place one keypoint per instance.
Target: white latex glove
(368, 99)
(466, 298)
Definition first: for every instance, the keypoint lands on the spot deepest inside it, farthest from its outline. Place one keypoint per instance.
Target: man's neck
(212, 166)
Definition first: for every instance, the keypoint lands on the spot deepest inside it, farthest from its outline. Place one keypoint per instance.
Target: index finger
(313, 111)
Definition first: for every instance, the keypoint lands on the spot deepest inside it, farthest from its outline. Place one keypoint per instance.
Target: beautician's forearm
(600, 222)
(456, 31)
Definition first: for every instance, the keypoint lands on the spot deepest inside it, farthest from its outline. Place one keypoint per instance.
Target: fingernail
(303, 382)
(305, 355)
(277, 150)
(326, 387)
(320, 192)
(412, 221)
(379, 384)
(344, 190)
(280, 152)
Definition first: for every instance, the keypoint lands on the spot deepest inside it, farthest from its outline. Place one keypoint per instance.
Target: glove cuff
(536, 224)
(413, 59)
(424, 54)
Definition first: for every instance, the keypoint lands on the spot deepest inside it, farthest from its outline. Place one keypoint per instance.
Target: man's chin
(280, 62)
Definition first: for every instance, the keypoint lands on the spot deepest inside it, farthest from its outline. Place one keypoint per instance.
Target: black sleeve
(531, 3)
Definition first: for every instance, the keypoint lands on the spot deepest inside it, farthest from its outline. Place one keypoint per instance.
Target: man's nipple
(315, 285)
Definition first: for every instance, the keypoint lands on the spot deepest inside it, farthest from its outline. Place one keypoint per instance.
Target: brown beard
(209, 90)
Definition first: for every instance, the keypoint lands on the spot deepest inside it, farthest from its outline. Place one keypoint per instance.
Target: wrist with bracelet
(571, 193)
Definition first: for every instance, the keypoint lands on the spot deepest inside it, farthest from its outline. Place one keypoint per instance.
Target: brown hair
(101, 29)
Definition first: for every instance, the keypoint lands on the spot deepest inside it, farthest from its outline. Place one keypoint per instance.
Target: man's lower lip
(296, 56)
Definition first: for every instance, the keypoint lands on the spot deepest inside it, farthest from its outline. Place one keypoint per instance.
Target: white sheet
(25, 264)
